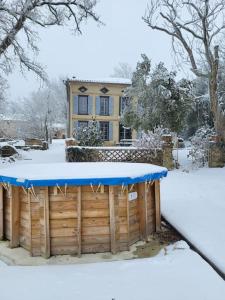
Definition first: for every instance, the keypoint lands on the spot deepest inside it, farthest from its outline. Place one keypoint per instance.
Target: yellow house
(101, 101)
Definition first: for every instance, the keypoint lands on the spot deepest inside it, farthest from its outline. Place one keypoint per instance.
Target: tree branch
(21, 15)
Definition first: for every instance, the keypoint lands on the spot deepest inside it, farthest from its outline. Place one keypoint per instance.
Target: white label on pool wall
(132, 196)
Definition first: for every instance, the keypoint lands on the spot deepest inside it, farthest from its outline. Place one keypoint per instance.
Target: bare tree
(43, 109)
(3, 88)
(18, 18)
(196, 28)
(123, 70)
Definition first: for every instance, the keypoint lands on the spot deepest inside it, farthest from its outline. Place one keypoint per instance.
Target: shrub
(151, 139)
(90, 135)
(200, 146)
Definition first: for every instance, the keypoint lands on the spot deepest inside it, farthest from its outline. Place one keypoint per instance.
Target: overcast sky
(95, 53)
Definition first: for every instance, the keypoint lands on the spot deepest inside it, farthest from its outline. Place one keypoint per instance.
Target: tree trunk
(214, 99)
(46, 130)
(218, 117)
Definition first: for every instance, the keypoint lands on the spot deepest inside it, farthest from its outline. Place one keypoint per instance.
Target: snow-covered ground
(193, 201)
(181, 274)
(56, 153)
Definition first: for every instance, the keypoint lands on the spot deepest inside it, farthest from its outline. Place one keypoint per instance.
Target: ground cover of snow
(56, 153)
(193, 201)
(180, 274)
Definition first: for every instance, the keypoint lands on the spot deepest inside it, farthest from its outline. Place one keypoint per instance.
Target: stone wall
(167, 148)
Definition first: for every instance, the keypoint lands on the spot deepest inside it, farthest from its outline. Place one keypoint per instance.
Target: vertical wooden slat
(79, 251)
(142, 204)
(1, 213)
(146, 209)
(102, 191)
(112, 220)
(55, 190)
(45, 234)
(14, 217)
(128, 220)
(157, 205)
(30, 220)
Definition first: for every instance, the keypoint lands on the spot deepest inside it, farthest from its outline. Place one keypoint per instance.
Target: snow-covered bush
(200, 146)
(151, 139)
(90, 135)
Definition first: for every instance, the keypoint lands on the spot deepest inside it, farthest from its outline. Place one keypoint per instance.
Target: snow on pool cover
(94, 173)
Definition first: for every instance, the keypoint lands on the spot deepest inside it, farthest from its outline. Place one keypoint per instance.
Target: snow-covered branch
(19, 18)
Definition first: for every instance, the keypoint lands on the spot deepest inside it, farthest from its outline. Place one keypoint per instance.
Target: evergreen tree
(90, 135)
(137, 93)
(157, 99)
(172, 100)
(200, 113)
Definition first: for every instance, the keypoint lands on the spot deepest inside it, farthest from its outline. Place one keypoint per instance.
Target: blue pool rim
(28, 183)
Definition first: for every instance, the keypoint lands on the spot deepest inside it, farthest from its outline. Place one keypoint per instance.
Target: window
(104, 128)
(82, 105)
(125, 133)
(124, 102)
(104, 106)
(82, 124)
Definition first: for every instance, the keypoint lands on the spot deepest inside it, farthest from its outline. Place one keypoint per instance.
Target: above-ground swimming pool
(75, 208)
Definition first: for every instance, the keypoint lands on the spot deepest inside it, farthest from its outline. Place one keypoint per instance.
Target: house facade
(101, 101)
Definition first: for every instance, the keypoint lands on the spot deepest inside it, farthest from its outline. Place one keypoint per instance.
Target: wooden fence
(116, 154)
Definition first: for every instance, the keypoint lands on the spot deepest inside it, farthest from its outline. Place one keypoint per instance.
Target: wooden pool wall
(78, 219)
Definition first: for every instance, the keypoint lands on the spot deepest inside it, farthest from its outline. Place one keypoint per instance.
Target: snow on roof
(105, 80)
(95, 173)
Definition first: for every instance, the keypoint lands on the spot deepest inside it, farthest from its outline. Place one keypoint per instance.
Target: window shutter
(111, 104)
(110, 131)
(97, 99)
(90, 105)
(120, 106)
(75, 128)
(75, 105)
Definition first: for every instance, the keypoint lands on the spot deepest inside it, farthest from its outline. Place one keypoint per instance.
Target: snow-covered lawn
(56, 153)
(194, 203)
(181, 274)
